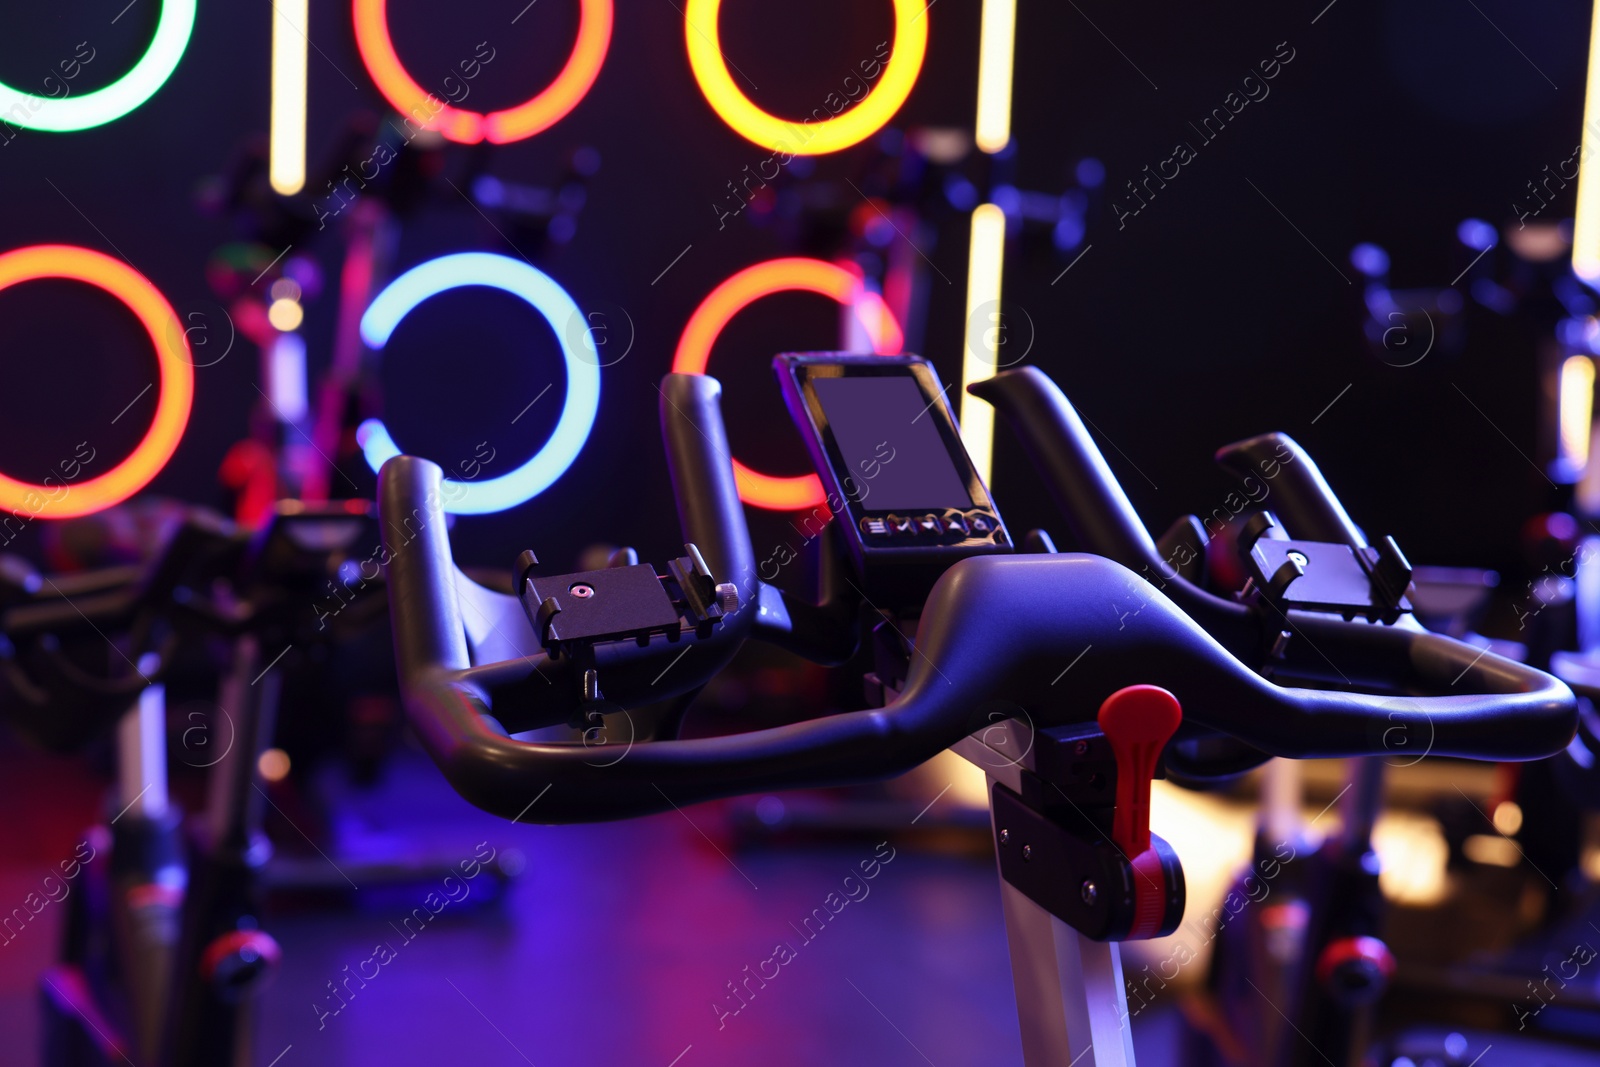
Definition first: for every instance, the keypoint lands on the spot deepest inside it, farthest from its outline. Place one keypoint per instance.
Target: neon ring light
(583, 376)
(818, 138)
(173, 402)
(66, 114)
(498, 127)
(742, 290)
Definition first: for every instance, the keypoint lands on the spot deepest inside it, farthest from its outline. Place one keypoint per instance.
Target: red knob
(1356, 970)
(251, 468)
(238, 959)
(1138, 721)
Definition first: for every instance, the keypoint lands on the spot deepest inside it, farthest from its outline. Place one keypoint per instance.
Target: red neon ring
(173, 401)
(742, 290)
(538, 113)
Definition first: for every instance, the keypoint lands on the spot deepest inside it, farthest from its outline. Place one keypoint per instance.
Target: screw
(1299, 560)
(581, 590)
(1027, 852)
(1089, 892)
(1005, 837)
(1081, 748)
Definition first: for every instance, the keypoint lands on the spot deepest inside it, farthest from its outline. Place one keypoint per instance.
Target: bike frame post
(147, 870)
(1072, 1005)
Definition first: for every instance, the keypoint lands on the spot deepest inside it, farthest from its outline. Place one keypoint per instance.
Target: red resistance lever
(1138, 722)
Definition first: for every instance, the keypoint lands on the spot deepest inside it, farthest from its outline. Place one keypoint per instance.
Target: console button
(875, 527)
(956, 523)
(902, 526)
(981, 523)
(929, 525)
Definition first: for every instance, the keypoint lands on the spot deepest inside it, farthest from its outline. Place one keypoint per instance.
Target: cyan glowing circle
(69, 113)
(583, 375)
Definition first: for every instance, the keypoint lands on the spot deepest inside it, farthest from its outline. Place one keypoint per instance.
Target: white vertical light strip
(287, 145)
(1586, 227)
(142, 751)
(288, 385)
(1577, 412)
(996, 48)
(980, 350)
(981, 347)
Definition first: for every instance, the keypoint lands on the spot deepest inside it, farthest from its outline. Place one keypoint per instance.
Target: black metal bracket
(1326, 577)
(621, 603)
(571, 613)
(1078, 874)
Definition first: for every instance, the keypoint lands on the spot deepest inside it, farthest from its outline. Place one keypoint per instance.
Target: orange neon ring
(173, 401)
(469, 127)
(744, 289)
(849, 127)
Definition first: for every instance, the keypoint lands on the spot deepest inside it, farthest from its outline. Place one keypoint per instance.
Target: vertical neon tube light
(980, 350)
(1577, 411)
(287, 166)
(981, 346)
(996, 46)
(1586, 227)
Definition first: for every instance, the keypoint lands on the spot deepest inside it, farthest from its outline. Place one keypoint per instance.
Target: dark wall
(1225, 307)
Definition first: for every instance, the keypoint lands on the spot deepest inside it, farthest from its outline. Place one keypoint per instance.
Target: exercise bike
(1069, 678)
(164, 948)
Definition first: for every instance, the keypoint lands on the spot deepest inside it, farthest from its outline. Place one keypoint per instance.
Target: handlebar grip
(429, 633)
(1090, 498)
(701, 465)
(1301, 496)
(712, 517)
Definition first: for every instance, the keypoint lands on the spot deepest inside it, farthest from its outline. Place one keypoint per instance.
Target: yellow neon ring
(173, 400)
(807, 138)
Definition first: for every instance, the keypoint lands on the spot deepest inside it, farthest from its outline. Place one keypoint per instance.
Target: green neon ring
(69, 113)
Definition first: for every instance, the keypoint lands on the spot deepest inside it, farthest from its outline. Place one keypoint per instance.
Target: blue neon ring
(547, 297)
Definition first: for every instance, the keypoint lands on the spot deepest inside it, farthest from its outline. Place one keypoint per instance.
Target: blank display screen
(888, 434)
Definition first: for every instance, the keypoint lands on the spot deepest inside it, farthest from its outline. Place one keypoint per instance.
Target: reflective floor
(672, 941)
(617, 944)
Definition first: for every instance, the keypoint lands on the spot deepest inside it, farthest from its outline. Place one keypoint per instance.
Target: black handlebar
(1328, 650)
(109, 600)
(208, 577)
(712, 517)
(1000, 638)
(1301, 496)
(1088, 496)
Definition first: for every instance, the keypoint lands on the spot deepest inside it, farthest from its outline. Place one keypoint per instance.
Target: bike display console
(893, 468)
